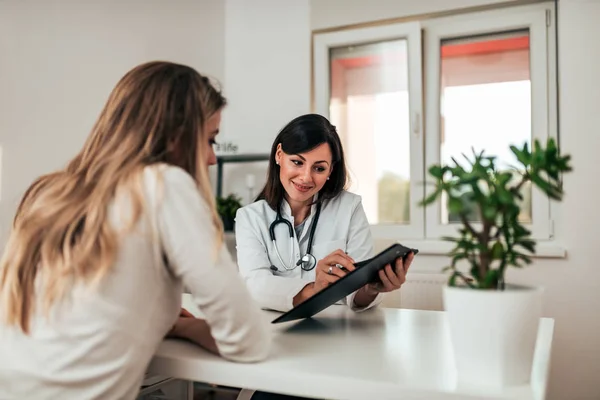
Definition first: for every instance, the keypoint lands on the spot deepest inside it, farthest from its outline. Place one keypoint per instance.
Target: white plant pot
(493, 333)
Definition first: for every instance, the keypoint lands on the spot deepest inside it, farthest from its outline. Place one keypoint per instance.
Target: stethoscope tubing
(291, 266)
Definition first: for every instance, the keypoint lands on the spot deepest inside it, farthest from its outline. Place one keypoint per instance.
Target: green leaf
(489, 212)
(468, 179)
(504, 196)
(449, 239)
(457, 258)
(542, 184)
(522, 155)
(491, 279)
(228, 206)
(504, 178)
(436, 171)
(466, 244)
(524, 257)
(551, 145)
(475, 272)
(527, 244)
(563, 163)
(497, 251)
(455, 205)
(520, 230)
(537, 147)
(452, 280)
(431, 198)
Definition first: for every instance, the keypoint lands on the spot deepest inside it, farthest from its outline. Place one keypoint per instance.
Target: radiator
(420, 292)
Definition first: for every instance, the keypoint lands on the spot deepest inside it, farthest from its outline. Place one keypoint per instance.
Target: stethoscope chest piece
(307, 262)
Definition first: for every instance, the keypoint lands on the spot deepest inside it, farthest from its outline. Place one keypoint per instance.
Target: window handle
(416, 123)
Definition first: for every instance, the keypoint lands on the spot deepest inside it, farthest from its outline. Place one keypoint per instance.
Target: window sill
(544, 249)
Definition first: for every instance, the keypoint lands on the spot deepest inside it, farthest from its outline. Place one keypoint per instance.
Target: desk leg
(189, 390)
(245, 394)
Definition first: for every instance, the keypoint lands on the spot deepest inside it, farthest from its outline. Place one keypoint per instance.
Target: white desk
(339, 354)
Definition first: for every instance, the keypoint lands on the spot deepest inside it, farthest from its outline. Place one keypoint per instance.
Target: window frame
(411, 32)
(543, 121)
(424, 39)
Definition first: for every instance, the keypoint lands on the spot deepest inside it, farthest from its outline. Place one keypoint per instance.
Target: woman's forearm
(195, 330)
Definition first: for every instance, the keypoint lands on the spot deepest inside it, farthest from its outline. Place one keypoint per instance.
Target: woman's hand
(193, 329)
(331, 268)
(183, 314)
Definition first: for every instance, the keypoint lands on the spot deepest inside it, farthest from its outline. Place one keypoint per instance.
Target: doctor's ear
(278, 154)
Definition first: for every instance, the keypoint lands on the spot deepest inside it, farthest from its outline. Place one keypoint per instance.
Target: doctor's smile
(302, 188)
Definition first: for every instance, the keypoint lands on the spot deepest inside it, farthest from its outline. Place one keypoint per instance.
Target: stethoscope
(307, 261)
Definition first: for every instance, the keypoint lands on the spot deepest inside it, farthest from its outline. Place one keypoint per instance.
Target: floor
(203, 394)
(177, 390)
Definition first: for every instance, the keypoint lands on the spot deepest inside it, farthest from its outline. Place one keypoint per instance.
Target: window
(484, 80)
(477, 81)
(370, 87)
(488, 82)
(369, 102)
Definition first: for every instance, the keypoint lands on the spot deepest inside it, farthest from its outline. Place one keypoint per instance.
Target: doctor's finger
(397, 277)
(341, 260)
(331, 278)
(335, 271)
(324, 280)
(342, 253)
(408, 261)
(387, 285)
(399, 266)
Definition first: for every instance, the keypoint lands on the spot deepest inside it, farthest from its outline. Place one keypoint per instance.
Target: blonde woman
(92, 274)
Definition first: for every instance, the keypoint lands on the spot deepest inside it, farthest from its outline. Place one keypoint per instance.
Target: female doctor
(304, 227)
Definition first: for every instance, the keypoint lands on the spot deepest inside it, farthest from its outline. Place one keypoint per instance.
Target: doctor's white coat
(341, 225)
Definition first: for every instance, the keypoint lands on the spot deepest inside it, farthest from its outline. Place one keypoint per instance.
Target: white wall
(267, 77)
(267, 68)
(59, 59)
(573, 285)
(334, 13)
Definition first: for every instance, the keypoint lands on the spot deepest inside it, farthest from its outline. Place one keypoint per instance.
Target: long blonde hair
(155, 114)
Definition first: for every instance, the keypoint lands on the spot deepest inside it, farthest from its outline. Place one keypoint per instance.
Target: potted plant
(227, 208)
(493, 325)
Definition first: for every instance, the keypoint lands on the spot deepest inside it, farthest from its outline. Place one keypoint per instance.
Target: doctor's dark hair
(303, 134)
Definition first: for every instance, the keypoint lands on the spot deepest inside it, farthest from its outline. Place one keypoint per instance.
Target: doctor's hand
(329, 269)
(391, 279)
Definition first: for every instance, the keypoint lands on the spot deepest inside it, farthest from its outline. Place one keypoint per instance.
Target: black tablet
(366, 272)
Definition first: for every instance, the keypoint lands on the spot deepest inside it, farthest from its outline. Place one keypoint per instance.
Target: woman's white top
(342, 225)
(98, 343)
